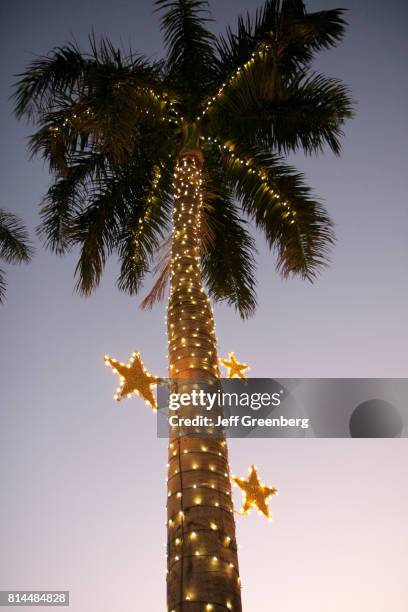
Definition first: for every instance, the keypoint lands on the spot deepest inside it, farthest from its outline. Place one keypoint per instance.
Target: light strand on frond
(261, 52)
(250, 164)
(163, 99)
(151, 198)
(71, 119)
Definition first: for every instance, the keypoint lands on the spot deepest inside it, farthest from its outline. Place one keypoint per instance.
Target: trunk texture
(202, 550)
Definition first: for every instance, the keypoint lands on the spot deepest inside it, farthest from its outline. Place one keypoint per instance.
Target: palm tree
(195, 142)
(14, 245)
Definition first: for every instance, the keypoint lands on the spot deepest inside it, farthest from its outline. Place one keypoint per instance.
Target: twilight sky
(82, 478)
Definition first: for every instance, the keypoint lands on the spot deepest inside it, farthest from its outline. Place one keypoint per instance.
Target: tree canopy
(111, 126)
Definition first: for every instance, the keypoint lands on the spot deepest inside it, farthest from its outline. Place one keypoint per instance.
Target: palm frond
(3, 285)
(103, 206)
(110, 209)
(66, 197)
(68, 72)
(15, 246)
(162, 271)
(46, 76)
(111, 117)
(306, 112)
(189, 44)
(101, 101)
(95, 230)
(276, 197)
(143, 231)
(285, 27)
(228, 249)
(310, 116)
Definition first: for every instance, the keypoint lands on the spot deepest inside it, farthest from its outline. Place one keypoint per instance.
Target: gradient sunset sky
(82, 479)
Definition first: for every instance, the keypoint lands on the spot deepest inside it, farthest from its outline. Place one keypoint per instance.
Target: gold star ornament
(234, 368)
(133, 379)
(256, 494)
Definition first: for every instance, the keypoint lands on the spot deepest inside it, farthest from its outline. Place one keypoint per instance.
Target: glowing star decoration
(255, 493)
(134, 379)
(235, 369)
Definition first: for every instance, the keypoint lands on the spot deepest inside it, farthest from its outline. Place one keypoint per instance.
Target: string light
(260, 52)
(159, 106)
(151, 200)
(197, 468)
(252, 166)
(195, 328)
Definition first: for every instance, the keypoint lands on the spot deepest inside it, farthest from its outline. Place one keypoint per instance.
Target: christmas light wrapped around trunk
(202, 551)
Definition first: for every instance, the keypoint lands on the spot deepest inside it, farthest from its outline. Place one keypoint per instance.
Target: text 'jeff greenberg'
(218, 401)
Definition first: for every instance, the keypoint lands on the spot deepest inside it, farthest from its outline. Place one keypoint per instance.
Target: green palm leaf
(292, 35)
(277, 199)
(228, 249)
(190, 47)
(15, 246)
(305, 111)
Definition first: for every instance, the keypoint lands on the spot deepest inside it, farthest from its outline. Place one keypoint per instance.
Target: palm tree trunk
(202, 550)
